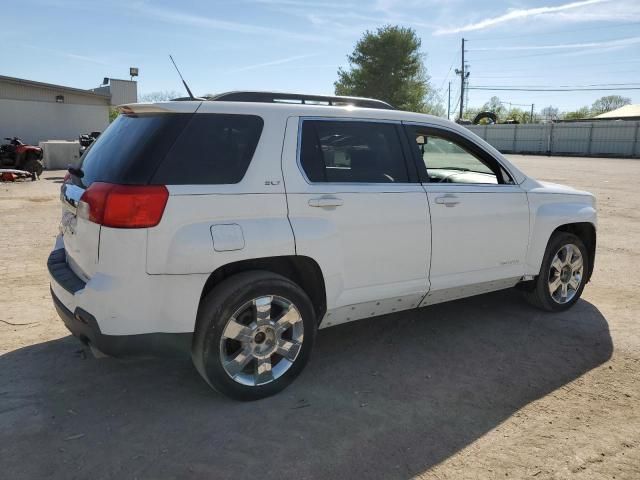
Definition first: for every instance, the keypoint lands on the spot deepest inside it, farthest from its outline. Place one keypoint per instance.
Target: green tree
(494, 105)
(583, 112)
(608, 103)
(388, 65)
(518, 114)
(470, 112)
(113, 114)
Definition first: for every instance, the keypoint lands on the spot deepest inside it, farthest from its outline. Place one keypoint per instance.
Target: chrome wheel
(565, 273)
(261, 340)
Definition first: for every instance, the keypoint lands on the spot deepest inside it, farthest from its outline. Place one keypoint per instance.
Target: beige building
(628, 112)
(36, 111)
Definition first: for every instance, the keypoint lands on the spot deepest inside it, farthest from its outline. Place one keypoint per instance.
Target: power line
(526, 76)
(455, 55)
(457, 96)
(634, 84)
(516, 104)
(573, 65)
(544, 54)
(516, 89)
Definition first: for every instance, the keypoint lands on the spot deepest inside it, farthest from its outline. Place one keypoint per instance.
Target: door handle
(449, 200)
(326, 202)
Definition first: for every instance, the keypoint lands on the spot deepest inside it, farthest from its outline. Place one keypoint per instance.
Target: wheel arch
(585, 231)
(300, 269)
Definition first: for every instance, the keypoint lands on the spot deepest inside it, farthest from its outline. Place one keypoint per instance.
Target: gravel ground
(486, 387)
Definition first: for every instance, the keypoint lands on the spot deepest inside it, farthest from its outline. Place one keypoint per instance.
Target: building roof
(50, 86)
(628, 112)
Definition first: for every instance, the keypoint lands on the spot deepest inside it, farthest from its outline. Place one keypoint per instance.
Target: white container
(60, 154)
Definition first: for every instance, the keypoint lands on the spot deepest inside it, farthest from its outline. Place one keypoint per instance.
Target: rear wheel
(562, 275)
(254, 335)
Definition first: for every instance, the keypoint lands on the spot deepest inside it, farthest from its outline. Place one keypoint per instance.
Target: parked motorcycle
(86, 139)
(20, 156)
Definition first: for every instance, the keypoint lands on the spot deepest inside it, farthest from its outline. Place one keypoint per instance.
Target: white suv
(234, 228)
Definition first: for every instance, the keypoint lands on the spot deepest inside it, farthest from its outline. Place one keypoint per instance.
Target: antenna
(183, 82)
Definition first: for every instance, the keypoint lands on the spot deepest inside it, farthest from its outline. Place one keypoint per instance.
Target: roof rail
(300, 99)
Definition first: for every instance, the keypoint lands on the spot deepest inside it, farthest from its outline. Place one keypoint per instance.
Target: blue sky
(297, 45)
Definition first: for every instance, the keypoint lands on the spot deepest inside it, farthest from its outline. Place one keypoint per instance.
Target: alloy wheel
(262, 340)
(565, 273)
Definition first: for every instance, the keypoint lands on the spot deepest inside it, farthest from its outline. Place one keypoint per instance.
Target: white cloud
(182, 18)
(304, 4)
(69, 55)
(272, 62)
(623, 42)
(518, 14)
(82, 58)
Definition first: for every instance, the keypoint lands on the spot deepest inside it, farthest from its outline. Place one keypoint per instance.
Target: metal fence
(596, 139)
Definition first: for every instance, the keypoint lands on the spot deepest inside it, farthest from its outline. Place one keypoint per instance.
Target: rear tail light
(123, 206)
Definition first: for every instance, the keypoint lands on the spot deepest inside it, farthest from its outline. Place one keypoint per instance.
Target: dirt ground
(486, 387)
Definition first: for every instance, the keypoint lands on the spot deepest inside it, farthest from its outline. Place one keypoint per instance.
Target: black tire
(540, 295)
(217, 308)
(33, 165)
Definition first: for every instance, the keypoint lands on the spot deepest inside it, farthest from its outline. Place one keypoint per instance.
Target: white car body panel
(373, 247)
(482, 238)
(183, 244)
(386, 248)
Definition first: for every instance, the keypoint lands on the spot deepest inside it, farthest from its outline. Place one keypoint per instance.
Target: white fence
(597, 139)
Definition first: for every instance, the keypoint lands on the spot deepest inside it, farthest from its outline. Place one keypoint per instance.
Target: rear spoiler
(160, 107)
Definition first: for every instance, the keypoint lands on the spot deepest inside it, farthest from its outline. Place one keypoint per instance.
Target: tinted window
(130, 149)
(212, 149)
(350, 151)
(173, 149)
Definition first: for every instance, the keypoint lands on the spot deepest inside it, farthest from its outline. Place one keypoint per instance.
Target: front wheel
(254, 335)
(562, 275)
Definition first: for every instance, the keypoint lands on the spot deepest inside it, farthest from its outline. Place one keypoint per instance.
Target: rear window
(173, 149)
(130, 149)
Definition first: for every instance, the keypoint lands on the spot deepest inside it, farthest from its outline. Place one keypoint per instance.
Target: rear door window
(213, 149)
(352, 152)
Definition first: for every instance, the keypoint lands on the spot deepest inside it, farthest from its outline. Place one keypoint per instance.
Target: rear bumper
(83, 324)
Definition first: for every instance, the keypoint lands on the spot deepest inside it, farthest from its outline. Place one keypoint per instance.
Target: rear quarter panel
(182, 243)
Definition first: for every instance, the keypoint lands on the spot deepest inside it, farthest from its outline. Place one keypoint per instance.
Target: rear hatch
(128, 153)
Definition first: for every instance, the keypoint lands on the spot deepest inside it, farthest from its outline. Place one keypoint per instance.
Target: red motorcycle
(16, 154)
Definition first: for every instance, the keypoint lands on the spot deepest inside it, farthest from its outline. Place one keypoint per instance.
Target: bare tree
(550, 112)
(608, 103)
(159, 96)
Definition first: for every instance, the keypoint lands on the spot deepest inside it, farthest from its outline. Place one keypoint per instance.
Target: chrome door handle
(326, 202)
(449, 200)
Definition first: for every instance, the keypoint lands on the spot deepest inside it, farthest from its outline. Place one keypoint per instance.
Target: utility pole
(531, 118)
(463, 78)
(449, 104)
